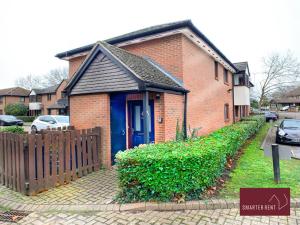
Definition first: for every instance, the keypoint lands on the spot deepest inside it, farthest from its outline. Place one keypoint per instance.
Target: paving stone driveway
(96, 188)
(218, 216)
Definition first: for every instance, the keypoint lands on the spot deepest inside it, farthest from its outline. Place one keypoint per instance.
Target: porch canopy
(109, 69)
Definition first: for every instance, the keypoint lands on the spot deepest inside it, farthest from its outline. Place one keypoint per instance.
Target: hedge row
(164, 171)
(13, 129)
(27, 119)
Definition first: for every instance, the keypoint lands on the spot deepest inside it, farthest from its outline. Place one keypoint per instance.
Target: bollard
(276, 168)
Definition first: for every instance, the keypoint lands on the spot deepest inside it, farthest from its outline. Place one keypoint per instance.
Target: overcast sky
(33, 31)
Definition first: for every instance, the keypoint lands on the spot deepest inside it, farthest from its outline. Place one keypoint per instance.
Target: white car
(49, 121)
(285, 108)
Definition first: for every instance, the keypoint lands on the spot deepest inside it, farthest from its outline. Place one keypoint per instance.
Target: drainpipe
(233, 107)
(184, 116)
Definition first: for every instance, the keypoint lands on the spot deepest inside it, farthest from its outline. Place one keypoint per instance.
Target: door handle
(123, 132)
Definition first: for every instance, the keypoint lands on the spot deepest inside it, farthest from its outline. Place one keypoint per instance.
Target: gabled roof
(150, 31)
(293, 93)
(241, 66)
(48, 90)
(139, 70)
(15, 91)
(60, 104)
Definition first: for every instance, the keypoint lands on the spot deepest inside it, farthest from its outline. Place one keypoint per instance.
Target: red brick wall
(207, 95)
(88, 111)
(174, 108)
(54, 97)
(74, 64)
(165, 51)
(159, 116)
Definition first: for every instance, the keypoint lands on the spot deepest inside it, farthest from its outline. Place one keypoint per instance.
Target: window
(243, 111)
(137, 119)
(216, 70)
(49, 97)
(236, 110)
(225, 76)
(1, 100)
(22, 99)
(226, 112)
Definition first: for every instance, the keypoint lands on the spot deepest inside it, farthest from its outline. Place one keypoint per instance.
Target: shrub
(13, 129)
(16, 109)
(26, 119)
(166, 170)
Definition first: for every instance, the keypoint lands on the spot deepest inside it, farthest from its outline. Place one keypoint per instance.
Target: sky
(33, 31)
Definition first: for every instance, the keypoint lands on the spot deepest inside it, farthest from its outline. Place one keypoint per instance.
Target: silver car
(49, 122)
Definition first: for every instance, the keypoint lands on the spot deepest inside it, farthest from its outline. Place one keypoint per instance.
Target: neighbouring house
(242, 85)
(11, 96)
(48, 101)
(291, 98)
(137, 87)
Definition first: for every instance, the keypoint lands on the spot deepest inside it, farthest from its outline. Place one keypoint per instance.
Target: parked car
(49, 121)
(270, 116)
(256, 111)
(285, 108)
(276, 113)
(8, 120)
(288, 132)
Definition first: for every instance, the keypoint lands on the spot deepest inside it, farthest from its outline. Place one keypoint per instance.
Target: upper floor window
(241, 79)
(225, 76)
(49, 97)
(226, 112)
(216, 70)
(236, 111)
(22, 99)
(1, 100)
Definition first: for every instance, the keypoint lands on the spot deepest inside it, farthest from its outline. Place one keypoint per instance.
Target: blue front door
(117, 123)
(136, 124)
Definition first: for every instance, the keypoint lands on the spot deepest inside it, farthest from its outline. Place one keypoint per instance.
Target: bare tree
(29, 82)
(280, 73)
(55, 76)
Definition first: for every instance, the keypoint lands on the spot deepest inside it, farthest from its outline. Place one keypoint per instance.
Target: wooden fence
(32, 163)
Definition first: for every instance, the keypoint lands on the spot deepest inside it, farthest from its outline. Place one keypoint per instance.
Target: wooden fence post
(84, 152)
(32, 164)
(73, 146)
(22, 164)
(1, 159)
(79, 152)
(68, 157)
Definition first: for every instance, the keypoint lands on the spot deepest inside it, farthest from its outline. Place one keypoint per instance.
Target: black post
(146, 116)
(184, 117)
(276, 168)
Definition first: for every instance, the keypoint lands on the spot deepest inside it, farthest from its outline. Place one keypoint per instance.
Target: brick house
(290, 98)
(48, 101)
(11, 96)
(242, 85)
(138, 86)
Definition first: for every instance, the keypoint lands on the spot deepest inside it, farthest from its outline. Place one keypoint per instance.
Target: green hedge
(13, 129)
(163, 171)
(27, 119)
(16, 109)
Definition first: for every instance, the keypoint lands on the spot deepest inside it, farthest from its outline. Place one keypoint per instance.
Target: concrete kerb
(142, 206)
